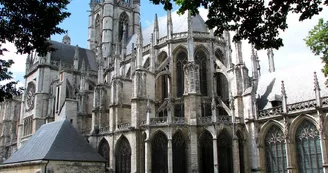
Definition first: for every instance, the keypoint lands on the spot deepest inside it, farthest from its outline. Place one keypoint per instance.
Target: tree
(317, 40)
(28, 24)
(252, 20)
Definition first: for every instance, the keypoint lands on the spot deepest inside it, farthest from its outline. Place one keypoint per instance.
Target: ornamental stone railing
(301, 105)
(205, 120)
(223, 119)
(104, 129)
(270, 112)
(158, 120)
(178, 120)
(123, 126)
(162, 40)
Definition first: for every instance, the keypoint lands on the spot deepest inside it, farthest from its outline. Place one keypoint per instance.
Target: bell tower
(112, 21)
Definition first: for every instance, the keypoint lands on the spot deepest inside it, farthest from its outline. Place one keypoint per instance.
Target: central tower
(111, 22)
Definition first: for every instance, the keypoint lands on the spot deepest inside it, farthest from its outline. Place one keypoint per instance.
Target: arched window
(181, 60)
(309, 157)
(159, 153)
(179, 153)
(275, 152)
(123, 156)
(206, 153)
(97, 29)
(103, 150)
(124, 27)
(241, 152)
(222, 87)
(225, 153)
(147, 64)
(201, 62)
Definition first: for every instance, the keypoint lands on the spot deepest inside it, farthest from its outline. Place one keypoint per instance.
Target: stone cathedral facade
(172, 98)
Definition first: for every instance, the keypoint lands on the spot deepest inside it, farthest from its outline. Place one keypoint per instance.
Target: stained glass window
(308, 148)
(123, 156)
(275, 151)
(159, 153)
(103, 150)
(225, 153)
(206, 153)
(181, 61)
(179, 153)
(201, 62)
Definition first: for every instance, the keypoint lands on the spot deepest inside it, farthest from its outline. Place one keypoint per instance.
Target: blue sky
(77, 23)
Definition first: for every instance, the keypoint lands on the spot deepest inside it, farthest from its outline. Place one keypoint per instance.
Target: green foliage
(317, 40)
(252, 20)
(28, 24)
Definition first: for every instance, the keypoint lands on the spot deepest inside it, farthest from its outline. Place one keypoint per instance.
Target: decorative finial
(316, 82)
(283, 89)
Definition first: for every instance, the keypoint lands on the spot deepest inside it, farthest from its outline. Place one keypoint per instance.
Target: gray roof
(56, 141)
(65, 53)
(180, 24)
(299, 84)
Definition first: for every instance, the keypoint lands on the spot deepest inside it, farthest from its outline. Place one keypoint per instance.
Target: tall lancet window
(97, 30)
(124, 26)
(275, 152)
(181, 60)
(309, 157)
(123, 156)
(201, 62)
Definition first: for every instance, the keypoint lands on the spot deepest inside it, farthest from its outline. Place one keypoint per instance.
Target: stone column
(147, 156)
(169, 156)
(215, 155)
(324, 153)
(235, 155)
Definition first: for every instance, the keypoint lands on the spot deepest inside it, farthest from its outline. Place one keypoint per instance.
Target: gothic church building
(173, 98)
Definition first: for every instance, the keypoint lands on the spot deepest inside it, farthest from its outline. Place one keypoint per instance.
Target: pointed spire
(254, 63)
(169, 24)
(82, 81)
(284, 97)
(239, 54)
(317, 91)
(117, 62)
(190, 40)
(133, 59)
(189, 24)
(156, 29)
(271, 60)
(139, 48)
(152, 53)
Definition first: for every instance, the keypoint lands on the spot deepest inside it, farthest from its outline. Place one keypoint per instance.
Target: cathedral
(172, 97)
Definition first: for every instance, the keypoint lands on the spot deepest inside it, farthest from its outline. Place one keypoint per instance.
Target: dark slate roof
(56, 141)
(65, 53)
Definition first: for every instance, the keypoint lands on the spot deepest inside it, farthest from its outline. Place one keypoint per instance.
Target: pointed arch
(206, 152)
(181, 59)
(162, 56)
(147, 63)
(179, 145)
(103, 150)
(224, 146)
(159, 153)
(275, 149)
(201, 59)
(123, 27)
(297, 122)
(308, 148)
(123, 156)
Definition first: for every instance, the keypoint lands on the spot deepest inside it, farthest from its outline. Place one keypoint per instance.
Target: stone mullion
(169, 156)
(148, 156)
(215, 155)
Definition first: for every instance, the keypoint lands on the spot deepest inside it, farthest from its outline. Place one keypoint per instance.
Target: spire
(284, 97)
(139, 47)
(254, 63)
(239, 55)
(169, 24)
(317, 90)
(66, 39)
(152, 53)
(76, 58)
(271, 60)
(228, 48)
(117, 62)
(133, 60)
(190, 40)
(82, 81)
(156, 29)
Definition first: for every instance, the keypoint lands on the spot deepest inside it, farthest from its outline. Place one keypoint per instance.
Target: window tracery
(28, 125)
(206, 152)
(275, 150)
(225, 153)
(201, 61)
(181, 60)
(159, 153)
(123, 156)
(179, 152)
(103, 150)
(308, 148)
(123, 27)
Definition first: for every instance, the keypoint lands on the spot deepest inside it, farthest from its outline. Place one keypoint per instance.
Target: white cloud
(19, 66)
